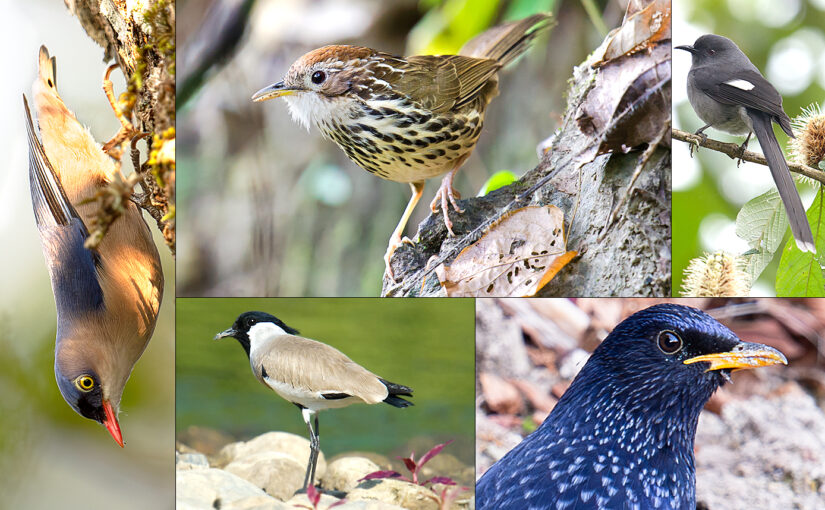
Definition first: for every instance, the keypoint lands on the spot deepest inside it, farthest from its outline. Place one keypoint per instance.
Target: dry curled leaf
(629, 102)
(643, 25)
(517, 256)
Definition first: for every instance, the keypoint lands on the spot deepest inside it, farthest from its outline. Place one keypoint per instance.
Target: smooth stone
(326, 501)
(190, 461)
(343, 473)
(396, 492)
(278, 474)
(198, 489)
(285, 443)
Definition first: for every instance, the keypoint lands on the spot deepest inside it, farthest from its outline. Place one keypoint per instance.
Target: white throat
(312, 108)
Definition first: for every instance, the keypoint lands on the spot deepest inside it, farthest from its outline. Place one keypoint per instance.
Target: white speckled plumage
(622, 435)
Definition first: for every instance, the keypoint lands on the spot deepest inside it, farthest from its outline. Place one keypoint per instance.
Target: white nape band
(741, 84)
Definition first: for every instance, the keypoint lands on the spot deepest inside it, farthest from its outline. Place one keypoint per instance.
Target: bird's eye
(318, 77)
(711, 52)
(49, 81)
(669, 342)
(84, 383)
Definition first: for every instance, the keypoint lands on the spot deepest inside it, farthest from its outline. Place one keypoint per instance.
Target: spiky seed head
(717, 274)
(808, 147)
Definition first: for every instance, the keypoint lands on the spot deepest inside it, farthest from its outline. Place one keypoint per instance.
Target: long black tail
(394, 390)
(784, 182)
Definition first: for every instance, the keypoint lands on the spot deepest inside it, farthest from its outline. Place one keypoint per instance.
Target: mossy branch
(142, 41)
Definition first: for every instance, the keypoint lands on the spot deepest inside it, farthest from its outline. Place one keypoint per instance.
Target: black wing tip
(396, 401)
(395, 390)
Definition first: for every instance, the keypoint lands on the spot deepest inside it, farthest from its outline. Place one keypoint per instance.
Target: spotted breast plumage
(621, 437)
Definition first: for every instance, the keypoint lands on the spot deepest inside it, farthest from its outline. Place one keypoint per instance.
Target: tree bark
(140, 36)
(626, 256)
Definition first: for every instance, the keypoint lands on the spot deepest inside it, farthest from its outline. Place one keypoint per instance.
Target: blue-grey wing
(74, 269)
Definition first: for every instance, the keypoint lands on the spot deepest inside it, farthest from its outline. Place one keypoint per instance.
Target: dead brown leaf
(517, 256)
(643, 25)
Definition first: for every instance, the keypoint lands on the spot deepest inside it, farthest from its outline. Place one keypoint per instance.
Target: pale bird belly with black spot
(405, 146)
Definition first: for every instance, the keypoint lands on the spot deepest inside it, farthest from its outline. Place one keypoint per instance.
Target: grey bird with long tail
(107, 299)
(730, 94)
(312, 375)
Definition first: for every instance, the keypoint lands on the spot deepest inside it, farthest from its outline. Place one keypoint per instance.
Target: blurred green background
(786, 41)
(427, 344)
(266, 207)
(51, 457)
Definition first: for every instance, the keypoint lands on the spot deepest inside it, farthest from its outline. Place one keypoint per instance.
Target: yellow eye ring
(84, 383)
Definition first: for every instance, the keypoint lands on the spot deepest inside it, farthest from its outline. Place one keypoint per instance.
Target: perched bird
(404, 119)
(311, 375)
(107, 299)
(621, 436)
(730, 94)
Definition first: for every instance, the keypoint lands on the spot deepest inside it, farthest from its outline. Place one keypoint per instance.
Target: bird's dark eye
(49, 81)
(318, 77)
(711, 52)
(669, 342)
(84, 383)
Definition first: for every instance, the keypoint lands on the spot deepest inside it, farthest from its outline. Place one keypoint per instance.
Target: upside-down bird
(107, 299)
(621, 437)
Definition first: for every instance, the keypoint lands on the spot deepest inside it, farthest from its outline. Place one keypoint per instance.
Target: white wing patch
(741, 84)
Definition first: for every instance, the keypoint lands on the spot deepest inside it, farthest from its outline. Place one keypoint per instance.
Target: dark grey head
(714, 48)
(247, 322)
(83, 391)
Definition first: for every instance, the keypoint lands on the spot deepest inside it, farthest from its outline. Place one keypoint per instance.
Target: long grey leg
(316, 450)
(314, 442)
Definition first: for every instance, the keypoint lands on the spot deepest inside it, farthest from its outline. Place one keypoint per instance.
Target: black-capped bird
(621, 436)
(312, 375)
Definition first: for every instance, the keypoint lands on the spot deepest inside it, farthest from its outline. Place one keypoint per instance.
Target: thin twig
(735, 152)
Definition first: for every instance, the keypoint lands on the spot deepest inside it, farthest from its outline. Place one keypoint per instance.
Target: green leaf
(498, 180)
(445, 29)
(800, 273)
(762, 222)
(520, 9)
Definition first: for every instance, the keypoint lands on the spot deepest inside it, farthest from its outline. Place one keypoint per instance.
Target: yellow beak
(273, 91)
(744, 355)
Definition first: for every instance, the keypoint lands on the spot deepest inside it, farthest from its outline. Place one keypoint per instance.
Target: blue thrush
(621, 437)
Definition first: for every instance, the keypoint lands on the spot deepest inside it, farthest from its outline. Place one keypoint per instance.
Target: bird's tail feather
(507, 42)
(394, 390)
(784, 182)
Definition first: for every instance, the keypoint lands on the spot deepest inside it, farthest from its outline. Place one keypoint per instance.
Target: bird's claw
(740, 157)
(444, 198)
(395, 242)
(123, 114)
(694, 144)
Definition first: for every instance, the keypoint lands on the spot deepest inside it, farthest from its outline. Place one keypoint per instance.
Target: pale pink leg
(447, 195)
(417, 189)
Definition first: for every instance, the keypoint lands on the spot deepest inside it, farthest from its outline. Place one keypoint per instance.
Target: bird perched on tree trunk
(730, 94)
(108, 298)
(621, 436)
(404, 119)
